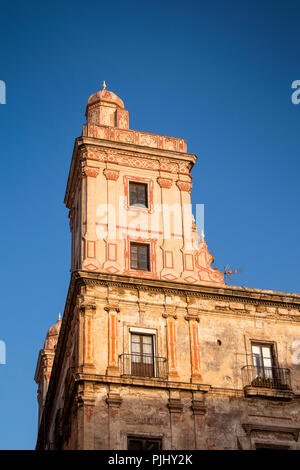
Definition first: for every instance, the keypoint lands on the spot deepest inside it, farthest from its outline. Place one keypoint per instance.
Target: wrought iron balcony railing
(276, 378)
(143, 365)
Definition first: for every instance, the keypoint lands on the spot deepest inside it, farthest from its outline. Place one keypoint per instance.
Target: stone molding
(222, 293)
(90, 171)
(110, 307)
(164, 182)
(112, 175)
(175, 405)
(198, 407)
(85, 307)
(192, 314)
(125, 135)
(169, 314)
(277, 428)
(114, 399)
(184, 185)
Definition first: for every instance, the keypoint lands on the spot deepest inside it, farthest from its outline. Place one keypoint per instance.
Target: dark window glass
(138, 194)
(139, 256)
(138, 443)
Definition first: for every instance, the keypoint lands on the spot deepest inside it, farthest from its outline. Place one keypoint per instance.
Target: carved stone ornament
(90, 171)
(164, 182)
(184, 186)
(175, 405)
(112, 175)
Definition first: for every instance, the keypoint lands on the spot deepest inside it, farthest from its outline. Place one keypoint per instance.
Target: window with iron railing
(142, 361)
(142, 355)
(264, 371)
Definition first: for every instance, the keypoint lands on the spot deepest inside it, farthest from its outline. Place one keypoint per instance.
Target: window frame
(139, 245)
(145, 438)
(261, 345)
(138, 184)
(143, 332)
(263, 371)
(145, 362)
(151, 335)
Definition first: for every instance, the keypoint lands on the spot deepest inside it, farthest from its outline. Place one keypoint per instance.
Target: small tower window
(138, 194)
(139, 256)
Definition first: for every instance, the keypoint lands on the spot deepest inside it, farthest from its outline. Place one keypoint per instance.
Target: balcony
(270, 382)
(143, 365)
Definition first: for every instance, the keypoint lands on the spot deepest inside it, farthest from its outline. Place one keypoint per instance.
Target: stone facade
(198, 389)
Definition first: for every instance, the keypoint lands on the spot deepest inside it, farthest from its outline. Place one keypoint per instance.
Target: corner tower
(129, 196)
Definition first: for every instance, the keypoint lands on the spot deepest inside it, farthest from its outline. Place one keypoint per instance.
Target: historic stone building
(154, 350)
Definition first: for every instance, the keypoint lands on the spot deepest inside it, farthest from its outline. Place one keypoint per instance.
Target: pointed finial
(104, 85)
(59, 316)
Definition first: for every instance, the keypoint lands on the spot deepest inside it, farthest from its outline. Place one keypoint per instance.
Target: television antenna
(228, 272)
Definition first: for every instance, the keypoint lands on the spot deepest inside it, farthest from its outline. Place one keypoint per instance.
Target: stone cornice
(281, 428)
(225, 293)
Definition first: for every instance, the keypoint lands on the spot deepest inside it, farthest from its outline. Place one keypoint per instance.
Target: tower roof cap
(52, 335)
(105, 96)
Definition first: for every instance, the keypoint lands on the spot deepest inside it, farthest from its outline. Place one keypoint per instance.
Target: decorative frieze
(128, 136)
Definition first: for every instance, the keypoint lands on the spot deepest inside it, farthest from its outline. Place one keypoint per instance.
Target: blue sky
(217, 73)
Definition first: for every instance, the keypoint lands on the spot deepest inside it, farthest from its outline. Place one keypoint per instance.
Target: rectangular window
(142, 355)
(139, 256)
(263, 357)
(138, 194)
(143, 443)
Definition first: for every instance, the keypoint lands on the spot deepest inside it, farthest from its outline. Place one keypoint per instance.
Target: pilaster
(85, 400)
(114, 402)
(171, 318)
(113, 364)
(113, 244)
(89, 175)
(86, 338)
(175, 407)
(193, 318)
